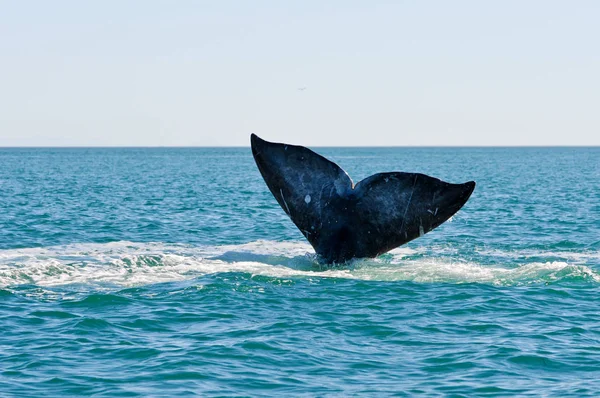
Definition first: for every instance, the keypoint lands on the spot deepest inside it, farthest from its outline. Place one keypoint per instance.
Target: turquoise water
(173, 272)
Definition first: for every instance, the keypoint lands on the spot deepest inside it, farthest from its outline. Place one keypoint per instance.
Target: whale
(342, 220)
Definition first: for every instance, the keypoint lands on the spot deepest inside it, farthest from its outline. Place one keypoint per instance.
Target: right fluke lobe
(342, 221)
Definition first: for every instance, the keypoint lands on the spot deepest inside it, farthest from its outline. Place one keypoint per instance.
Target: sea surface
(174, 272)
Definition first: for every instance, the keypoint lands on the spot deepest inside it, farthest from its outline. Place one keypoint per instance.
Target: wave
(133, 264)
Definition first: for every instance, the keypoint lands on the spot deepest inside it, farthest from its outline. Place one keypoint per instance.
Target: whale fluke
(342, 220)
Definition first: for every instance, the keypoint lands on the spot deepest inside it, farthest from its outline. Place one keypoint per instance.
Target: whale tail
(342, 220)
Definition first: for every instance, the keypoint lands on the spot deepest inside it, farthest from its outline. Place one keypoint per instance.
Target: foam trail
(578, 257)
(134, 264)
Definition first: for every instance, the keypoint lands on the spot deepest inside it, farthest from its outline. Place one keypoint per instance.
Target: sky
(314, 73)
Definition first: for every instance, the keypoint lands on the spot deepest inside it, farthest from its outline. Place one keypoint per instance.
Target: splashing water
(135, 264)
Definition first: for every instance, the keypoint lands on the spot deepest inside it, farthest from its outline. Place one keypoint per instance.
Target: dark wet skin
(344, 221)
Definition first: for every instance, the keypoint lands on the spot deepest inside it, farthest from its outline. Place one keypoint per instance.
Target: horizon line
(312, 146)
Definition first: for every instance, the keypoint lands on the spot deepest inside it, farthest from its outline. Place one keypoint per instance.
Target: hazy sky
(375, 72)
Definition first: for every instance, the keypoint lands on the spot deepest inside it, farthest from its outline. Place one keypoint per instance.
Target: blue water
(173, 272)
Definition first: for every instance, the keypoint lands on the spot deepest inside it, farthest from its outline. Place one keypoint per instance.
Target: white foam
(578, 257)
(134, 264)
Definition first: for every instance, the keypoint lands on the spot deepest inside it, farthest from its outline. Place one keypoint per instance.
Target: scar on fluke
(377, 214)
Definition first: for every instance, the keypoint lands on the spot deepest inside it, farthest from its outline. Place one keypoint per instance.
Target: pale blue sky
(376, 72)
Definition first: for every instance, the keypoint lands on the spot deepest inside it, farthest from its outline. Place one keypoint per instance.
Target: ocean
(146, 272)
